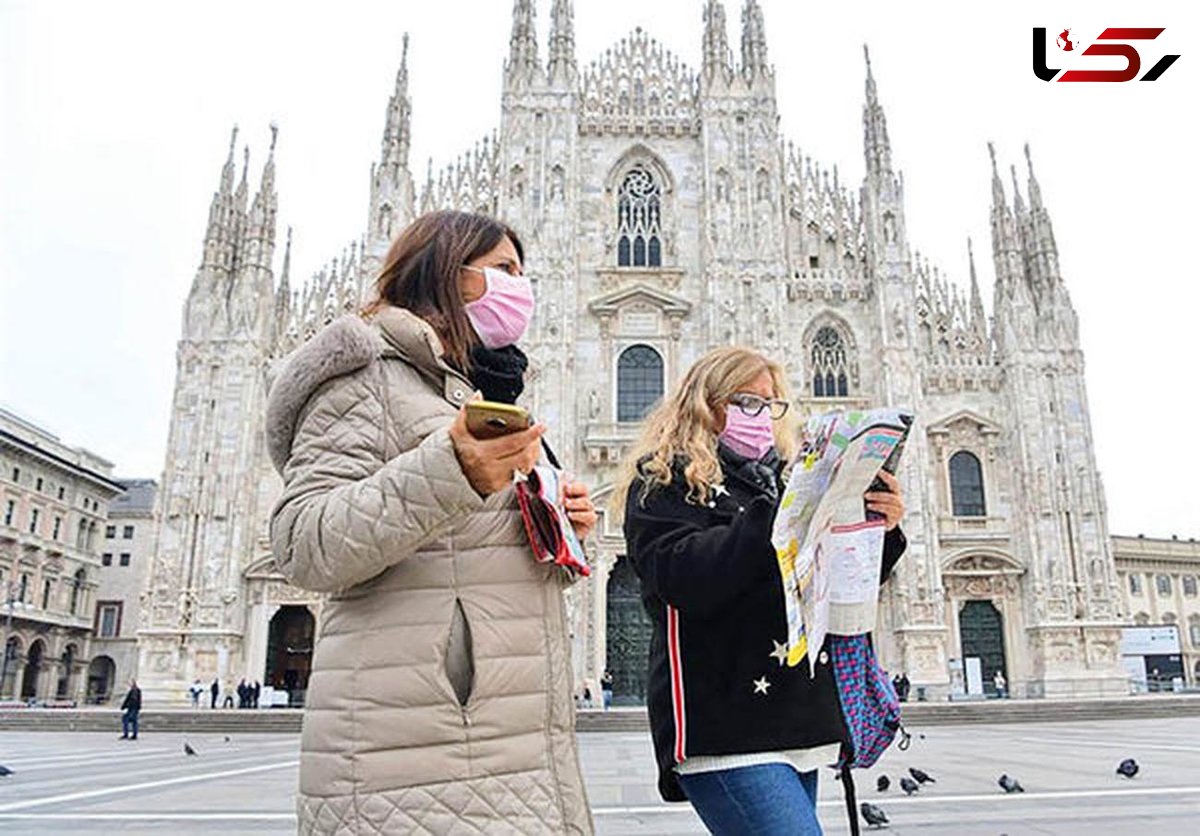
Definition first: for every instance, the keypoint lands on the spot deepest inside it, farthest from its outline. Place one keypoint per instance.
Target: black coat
(133, 700)
(710, 583)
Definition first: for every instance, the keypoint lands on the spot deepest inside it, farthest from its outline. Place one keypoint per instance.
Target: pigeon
(188, 750)
(5, 772)
(872, 814)
(909, 786)
(883, 783)
(922, 776)
(226, 738)
(1128, 767)
(1010, 785)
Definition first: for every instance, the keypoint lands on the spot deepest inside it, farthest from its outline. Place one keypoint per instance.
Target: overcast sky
(115, 119)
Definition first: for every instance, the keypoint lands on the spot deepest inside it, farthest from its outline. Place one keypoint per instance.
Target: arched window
(1194, 631)
(77, 589)
(829, 364)
(639, 382)
(1189, 586)
(966, 485)
(723, 186)
(1163, 584)
(762, 185)
(1141, 619)
(1135, 584)
(639, 220)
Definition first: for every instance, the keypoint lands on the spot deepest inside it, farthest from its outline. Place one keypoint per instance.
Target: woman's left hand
(580, 510)
(890, 503)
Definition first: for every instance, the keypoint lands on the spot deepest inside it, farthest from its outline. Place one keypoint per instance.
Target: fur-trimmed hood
(343, 346)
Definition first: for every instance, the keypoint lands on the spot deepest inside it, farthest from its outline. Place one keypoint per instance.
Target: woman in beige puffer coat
(440, 699)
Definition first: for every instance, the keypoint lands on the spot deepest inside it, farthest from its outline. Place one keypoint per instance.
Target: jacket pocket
(460, 662)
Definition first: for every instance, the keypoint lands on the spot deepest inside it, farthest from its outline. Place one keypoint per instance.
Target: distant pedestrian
(255, 693)
(1001, 685)
(905, 687)
(131, 708)
(243, 694)
(228, 695)
(196, 690)
(606, 688)
(216, 691)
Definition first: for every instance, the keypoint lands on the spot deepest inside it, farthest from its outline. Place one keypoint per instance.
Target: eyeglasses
(752, 405)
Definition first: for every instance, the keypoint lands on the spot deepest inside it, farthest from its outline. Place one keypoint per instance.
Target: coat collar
(414, 341)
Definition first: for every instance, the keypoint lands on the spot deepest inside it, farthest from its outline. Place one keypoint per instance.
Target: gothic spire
(220, 210)
(428, 203)
(227, 171)
(283, 295)
(262, 211)
(754, 39)
(397, 129)
(1045, 249)
(876, 147)
(562, 41)
(977, 313)
(716, 39)
(1003, 238)
(1018, 203)
(243, 189)
(522, 44)
(1035, 190)
(998, 199)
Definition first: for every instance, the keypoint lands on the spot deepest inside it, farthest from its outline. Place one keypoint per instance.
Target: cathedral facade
(664, 214)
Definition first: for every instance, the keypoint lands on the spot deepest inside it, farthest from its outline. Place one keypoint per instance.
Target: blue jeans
(770, 799)
(129, 721)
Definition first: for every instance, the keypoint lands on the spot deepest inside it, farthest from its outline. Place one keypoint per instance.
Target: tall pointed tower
(1060, 522)
(743, 224)
(392, 196)
(209, 515)
(538, 196)
(915, 612)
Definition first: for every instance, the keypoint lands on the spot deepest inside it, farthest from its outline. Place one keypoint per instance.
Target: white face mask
(501, 315)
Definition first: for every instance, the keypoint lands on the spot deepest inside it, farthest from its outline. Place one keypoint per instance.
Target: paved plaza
(93, 783)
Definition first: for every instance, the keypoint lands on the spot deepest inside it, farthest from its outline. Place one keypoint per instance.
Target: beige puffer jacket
(440, 699)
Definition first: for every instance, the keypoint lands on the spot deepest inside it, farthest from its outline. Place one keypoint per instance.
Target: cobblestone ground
(93, 783)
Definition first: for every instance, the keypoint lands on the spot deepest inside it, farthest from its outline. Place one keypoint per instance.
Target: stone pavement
(89, 783)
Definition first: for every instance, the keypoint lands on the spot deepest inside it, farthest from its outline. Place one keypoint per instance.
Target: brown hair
(420, 273)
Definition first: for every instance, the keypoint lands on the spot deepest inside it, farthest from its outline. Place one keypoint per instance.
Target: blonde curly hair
(687, 422)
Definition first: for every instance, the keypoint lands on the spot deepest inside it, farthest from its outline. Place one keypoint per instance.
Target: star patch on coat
(780, 653)
(720, 490)
(761, 685)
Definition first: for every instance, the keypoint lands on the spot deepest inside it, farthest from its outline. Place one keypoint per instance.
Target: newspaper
(829, 553)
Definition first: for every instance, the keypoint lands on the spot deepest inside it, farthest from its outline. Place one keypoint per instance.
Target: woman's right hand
(489, 463)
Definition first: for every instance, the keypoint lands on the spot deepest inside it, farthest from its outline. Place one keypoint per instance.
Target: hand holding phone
(489, 419)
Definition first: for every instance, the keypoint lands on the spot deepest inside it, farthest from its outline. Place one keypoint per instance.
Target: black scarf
(499, 373)
(762, 475)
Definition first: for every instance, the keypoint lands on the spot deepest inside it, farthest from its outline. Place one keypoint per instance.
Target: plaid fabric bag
(870, 709)
(869, 703)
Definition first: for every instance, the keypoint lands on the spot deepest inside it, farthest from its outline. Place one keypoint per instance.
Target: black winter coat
(133, 700)
(710, 583)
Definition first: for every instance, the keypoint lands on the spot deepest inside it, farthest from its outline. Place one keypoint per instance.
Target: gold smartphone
(488, 419)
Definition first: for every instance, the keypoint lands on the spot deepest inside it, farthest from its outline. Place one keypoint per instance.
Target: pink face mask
(746, 435)
(501, 315)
